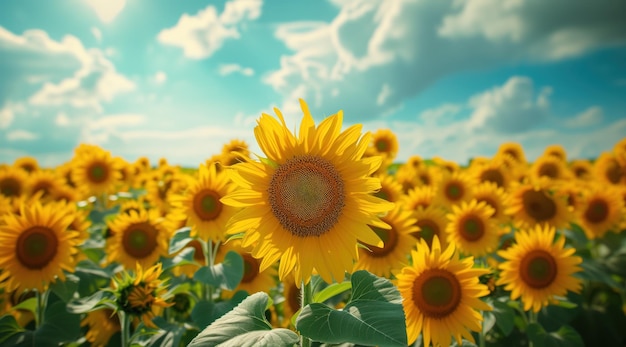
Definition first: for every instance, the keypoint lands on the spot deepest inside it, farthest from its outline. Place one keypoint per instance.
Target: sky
(179, 79)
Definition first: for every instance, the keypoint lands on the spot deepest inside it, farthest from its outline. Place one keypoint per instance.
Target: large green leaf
(8, 327)
(374, 315)
(205, 312)
(66, 289)
(89, 303)
(332, 290)
(566, 336)
(248, 316)
(59, 327)
(504, 315)
(180, 239)
(225, 275)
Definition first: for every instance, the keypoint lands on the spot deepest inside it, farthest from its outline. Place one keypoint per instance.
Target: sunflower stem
(124, 328)
(307, 298)
(42, 299)
(532, 318)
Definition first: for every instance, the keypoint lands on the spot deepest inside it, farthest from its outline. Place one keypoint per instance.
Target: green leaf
(180, 239)
(66, 289)
(489, 321)
(505, 316)
(86, 304)
(8, 327)
(29, 304)
(169, 334)
(205, 312)
(566, 336)
(247, 317)
(225, 275)
(374, 315)
(59, 326)
(594, 271)
(263, 338)
(185, 257)
(331, 290)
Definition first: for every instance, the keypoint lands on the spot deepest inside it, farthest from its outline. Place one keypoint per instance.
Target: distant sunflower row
(442, 226)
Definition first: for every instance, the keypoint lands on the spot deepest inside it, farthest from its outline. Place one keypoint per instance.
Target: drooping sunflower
(419, 197)
(141, 294)
(581, 169)
(536, 268)
(398, 242)
(205, 213)
(608, 170)
(238, 146)
(431, 222)
(138, 237)
(600, 211)
(454, 188)
(310, 200)
(95, 171)
(441, 295)
(28, 164)
(102, 324)
(12, 182)
(556, 151)
(36, 247)
(513, 150)
(390, 189)
(254, 280)
(471, 228)
(495, 197)
(538, 202)
(549, 166)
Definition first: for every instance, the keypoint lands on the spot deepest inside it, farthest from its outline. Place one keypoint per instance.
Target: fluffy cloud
(160, 77)
(200, 35)
(227, 69)
(107, 10)
(21, 135)
(590, 117)
(407, 45)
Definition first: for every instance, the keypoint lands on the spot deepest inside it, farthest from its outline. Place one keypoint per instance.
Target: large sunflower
(310, 200)
(95, 171)
(471, 228)
(536, 268)
(398, 244)
(441, 295)
(537, 202)
(138, 237)
(253, 279)
(600, 211)
(206, 215)
(36, 247)
(12, 182)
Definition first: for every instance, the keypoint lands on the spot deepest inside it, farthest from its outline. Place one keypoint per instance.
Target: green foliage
(225, 275)
(206, 312)
(566, 336)
(180, 239)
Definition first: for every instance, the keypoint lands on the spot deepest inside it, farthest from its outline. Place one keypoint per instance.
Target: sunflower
(309, 202)
(471, 228)
(608, 171)
(441, 295)
(495, 197)
(537, 202)
(414, 161)
(201, 205)
(46, 182)
(254, 280)
(513, 150)
(141, 294)
(573, 192)
(551, 167)
(390, 189)
(619, 150)
(95, 171)
(454, 188)
(446, 165)
(385, 144)
(293, 299)
(36, 247)
(556, 151)
(431, 222)
(138, 237)
(102, 324)
(28, 164)
(407, 178)
(165, 184)
(601, 211)
(65, 171)
(582, 169)
(398, 242)
(419, 197)
(491, 170)
(536, 268)
(12, 182)
(238, 146)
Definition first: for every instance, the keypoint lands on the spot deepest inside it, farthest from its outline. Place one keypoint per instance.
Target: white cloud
(107, 10)
(21, 135)
(512, 107)
(62, 119)
(439, 115)
(591, 116)
(227, 69)
(7, 113)
(96, 33)
(100, 130)
(204, 33)
(160, 77)
(385, 92)
(408, 45)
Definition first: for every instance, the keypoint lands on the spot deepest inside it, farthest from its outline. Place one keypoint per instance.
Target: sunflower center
(428, 230)
(141, 298)
(492, 175)
(597, 211)
(513, 153)
(436, 293)
(538, 205)
(454, 191)
(382, 145)
(250, 268)
(472, 228)
(549, 170)
(10, 187)
(306, 195)
(389, 238)
(140, 240)
(613, 173)
(538, 269)
(425, 178)
(36, 247)
(42, 186)
(207, 205)
(97, 172)
(581, 172)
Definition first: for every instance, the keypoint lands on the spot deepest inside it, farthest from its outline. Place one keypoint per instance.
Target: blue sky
(178, 79)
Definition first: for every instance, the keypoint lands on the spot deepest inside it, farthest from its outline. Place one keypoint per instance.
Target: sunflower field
(324, 239)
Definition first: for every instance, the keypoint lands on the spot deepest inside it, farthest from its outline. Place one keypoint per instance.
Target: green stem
(42, 299)
(532, 318)
(124, 328)
(481, 335)
(307, 298)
